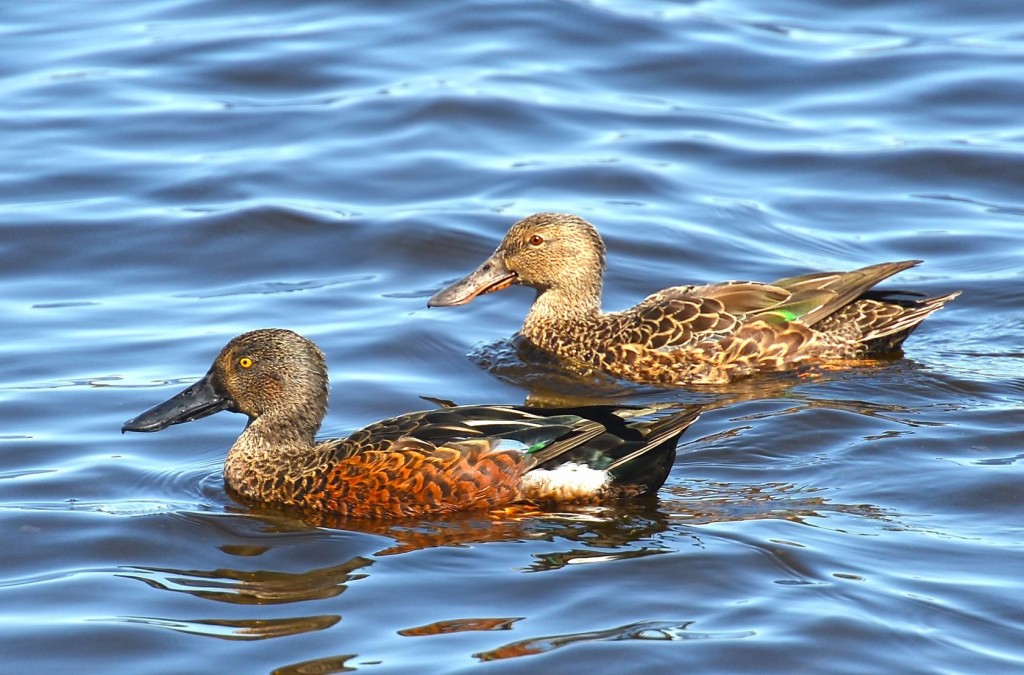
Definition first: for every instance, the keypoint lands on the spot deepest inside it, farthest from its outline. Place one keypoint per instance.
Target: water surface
(176, 172)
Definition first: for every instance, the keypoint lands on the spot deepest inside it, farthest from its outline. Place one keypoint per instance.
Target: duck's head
(258, 373)
(546, 251)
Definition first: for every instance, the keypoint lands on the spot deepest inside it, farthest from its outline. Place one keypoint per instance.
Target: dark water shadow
(551, 382)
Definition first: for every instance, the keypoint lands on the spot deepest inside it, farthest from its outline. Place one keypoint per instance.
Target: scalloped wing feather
(413, 477)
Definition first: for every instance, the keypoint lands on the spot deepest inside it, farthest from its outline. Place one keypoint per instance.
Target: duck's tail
(846, 305)
(617, 452)
(884, 319)
(649, 465)
(892, 335)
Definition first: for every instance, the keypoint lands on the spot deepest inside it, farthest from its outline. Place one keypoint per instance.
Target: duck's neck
(576, 305)
(267, 461)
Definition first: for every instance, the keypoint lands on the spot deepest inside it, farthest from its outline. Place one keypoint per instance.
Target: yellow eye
(245, 362)
(536, 240)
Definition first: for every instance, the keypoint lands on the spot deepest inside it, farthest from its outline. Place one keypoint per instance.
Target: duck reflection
(550, 382)
(260, 587)
(597, 526)
(588, 536)
(241, 629)
(596, 533)
(643, 630)
(253, 587)
(327, 664)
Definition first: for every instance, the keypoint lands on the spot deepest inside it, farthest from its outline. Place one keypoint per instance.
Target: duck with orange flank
(436, 461)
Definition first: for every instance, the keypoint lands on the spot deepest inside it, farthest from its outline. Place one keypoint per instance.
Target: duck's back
(719, 332)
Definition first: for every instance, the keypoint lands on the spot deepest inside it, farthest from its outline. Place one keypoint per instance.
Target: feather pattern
(434, 461)
(690, 334)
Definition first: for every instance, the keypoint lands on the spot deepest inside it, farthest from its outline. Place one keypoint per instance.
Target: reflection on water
(239, 629)
(328, 664)
(261, 587)
(553, 382)
(645, 630)
(705, 503)
(460, 626)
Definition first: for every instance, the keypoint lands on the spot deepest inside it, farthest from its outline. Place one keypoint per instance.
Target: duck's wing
(634, 446)
(455, 458)
(454, 423)
(685, 316)
(468, 457)
(821, 294)
(543, 435)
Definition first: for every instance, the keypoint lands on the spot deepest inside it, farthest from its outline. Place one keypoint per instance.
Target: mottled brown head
(557, 252)
(272, 369)
(264, 373)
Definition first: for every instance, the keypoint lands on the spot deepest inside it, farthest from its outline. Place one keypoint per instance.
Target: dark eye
(536, 240)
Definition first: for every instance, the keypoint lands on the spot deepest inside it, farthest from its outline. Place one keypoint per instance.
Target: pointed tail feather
(607, 457)
(644, 470)
(671, 426)
(821, 294)
(889, 335)
(617, 448)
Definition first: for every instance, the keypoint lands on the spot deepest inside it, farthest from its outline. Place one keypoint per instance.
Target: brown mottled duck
(690, 334)
(436, 461)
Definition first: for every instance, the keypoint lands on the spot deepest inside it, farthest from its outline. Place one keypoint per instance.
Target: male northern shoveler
(435, 461)
(689, 334)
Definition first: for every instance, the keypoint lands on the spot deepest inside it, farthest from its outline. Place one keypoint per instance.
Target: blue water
(173, 173)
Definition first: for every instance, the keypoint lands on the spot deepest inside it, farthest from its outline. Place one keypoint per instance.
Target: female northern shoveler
(436, 461)
(689, 334)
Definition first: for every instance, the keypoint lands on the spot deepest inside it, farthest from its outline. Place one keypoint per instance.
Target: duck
(710, 334)
(453, 458)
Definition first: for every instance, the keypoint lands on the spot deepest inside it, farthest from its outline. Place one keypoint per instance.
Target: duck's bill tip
(453, 296)
(141, 423)
(491, 276)
(198, 401)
